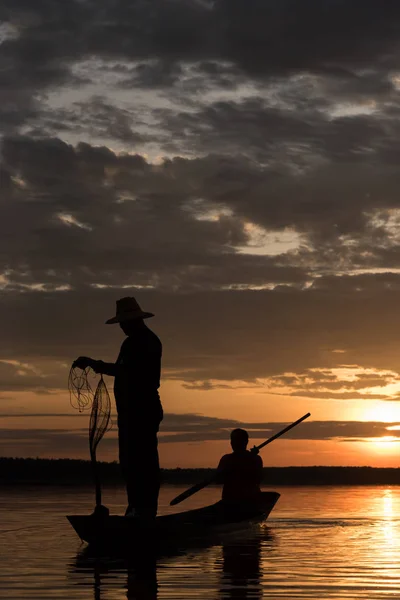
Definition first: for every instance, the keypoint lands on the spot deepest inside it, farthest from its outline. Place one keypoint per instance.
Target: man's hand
(255, 450)
(83, 362)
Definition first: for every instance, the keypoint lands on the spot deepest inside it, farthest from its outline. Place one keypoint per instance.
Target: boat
(179, 528)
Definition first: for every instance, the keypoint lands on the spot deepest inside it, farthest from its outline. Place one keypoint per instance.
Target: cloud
(186, 428)
(145, 144)
(262, 38)
(93, 117)
(227, 337)
(289, 60)
(41, 376)
(48, 442)
(197, 214)
(345, 382)
(41, 415)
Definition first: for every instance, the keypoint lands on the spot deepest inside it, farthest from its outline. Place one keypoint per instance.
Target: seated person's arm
(260, 467)
(221, 470)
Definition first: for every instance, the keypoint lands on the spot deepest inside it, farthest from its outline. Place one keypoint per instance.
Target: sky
(233, 164)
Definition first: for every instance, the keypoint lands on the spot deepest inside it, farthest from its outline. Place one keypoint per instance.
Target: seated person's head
(239, 439)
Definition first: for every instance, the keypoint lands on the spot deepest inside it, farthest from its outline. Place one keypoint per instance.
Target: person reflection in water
(136, 381)
(240, 472)
(142, 579)
(141, 573)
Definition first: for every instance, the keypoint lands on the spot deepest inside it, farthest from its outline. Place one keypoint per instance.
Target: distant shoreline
(71, 472)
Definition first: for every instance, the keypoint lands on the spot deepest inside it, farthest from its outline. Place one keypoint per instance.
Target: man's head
(131, 326)
(129, 315)
(239, 440)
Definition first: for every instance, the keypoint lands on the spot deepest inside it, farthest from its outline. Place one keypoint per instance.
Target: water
(319, 542)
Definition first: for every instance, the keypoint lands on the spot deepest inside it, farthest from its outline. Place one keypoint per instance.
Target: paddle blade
(190, 492)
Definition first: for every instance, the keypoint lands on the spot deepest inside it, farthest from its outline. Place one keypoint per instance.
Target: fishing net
(81, 393)
(82, 397)
(100, 417)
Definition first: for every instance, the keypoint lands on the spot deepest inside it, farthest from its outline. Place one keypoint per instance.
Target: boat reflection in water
(234, 559)
(241, 571)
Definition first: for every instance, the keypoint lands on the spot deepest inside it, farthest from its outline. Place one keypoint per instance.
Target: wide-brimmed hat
(127, 310)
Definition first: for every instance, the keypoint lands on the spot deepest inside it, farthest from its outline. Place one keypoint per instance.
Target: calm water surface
(326, 542)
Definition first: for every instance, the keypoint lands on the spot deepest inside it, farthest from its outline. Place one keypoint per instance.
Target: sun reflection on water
(388, 546)
(388, 528)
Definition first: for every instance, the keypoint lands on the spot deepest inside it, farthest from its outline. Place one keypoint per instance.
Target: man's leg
(148, 494)
(125, 460)
(138, 456)
(146, 473)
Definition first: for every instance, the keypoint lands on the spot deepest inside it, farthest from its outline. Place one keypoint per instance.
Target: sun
(386, 444)
(385, 411)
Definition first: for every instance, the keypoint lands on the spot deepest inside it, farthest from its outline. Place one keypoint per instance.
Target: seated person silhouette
(240, 472)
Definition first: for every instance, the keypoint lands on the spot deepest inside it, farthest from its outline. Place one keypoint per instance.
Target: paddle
(203, 484)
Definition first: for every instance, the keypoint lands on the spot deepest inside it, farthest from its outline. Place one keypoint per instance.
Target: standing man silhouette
(136, 373)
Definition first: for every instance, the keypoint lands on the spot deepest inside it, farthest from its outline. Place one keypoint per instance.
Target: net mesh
(100, 417)
(83, 397)
(81, 393)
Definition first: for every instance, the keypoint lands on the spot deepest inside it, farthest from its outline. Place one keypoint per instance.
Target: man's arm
(98, 366)
(105, 368)
(110, 368)
(133, 361)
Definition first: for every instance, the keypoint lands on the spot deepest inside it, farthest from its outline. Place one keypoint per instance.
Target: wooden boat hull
(175, 528)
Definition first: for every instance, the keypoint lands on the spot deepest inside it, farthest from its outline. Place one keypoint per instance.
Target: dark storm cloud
(223, 43)
(248, 126)
(158, 210)
(288, 156)
(153, 74)
(152, 238)
(64, 209)
(255, 127)
(261, 37)
(94, 117)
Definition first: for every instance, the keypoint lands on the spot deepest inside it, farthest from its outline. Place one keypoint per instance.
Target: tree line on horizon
(67, 471)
